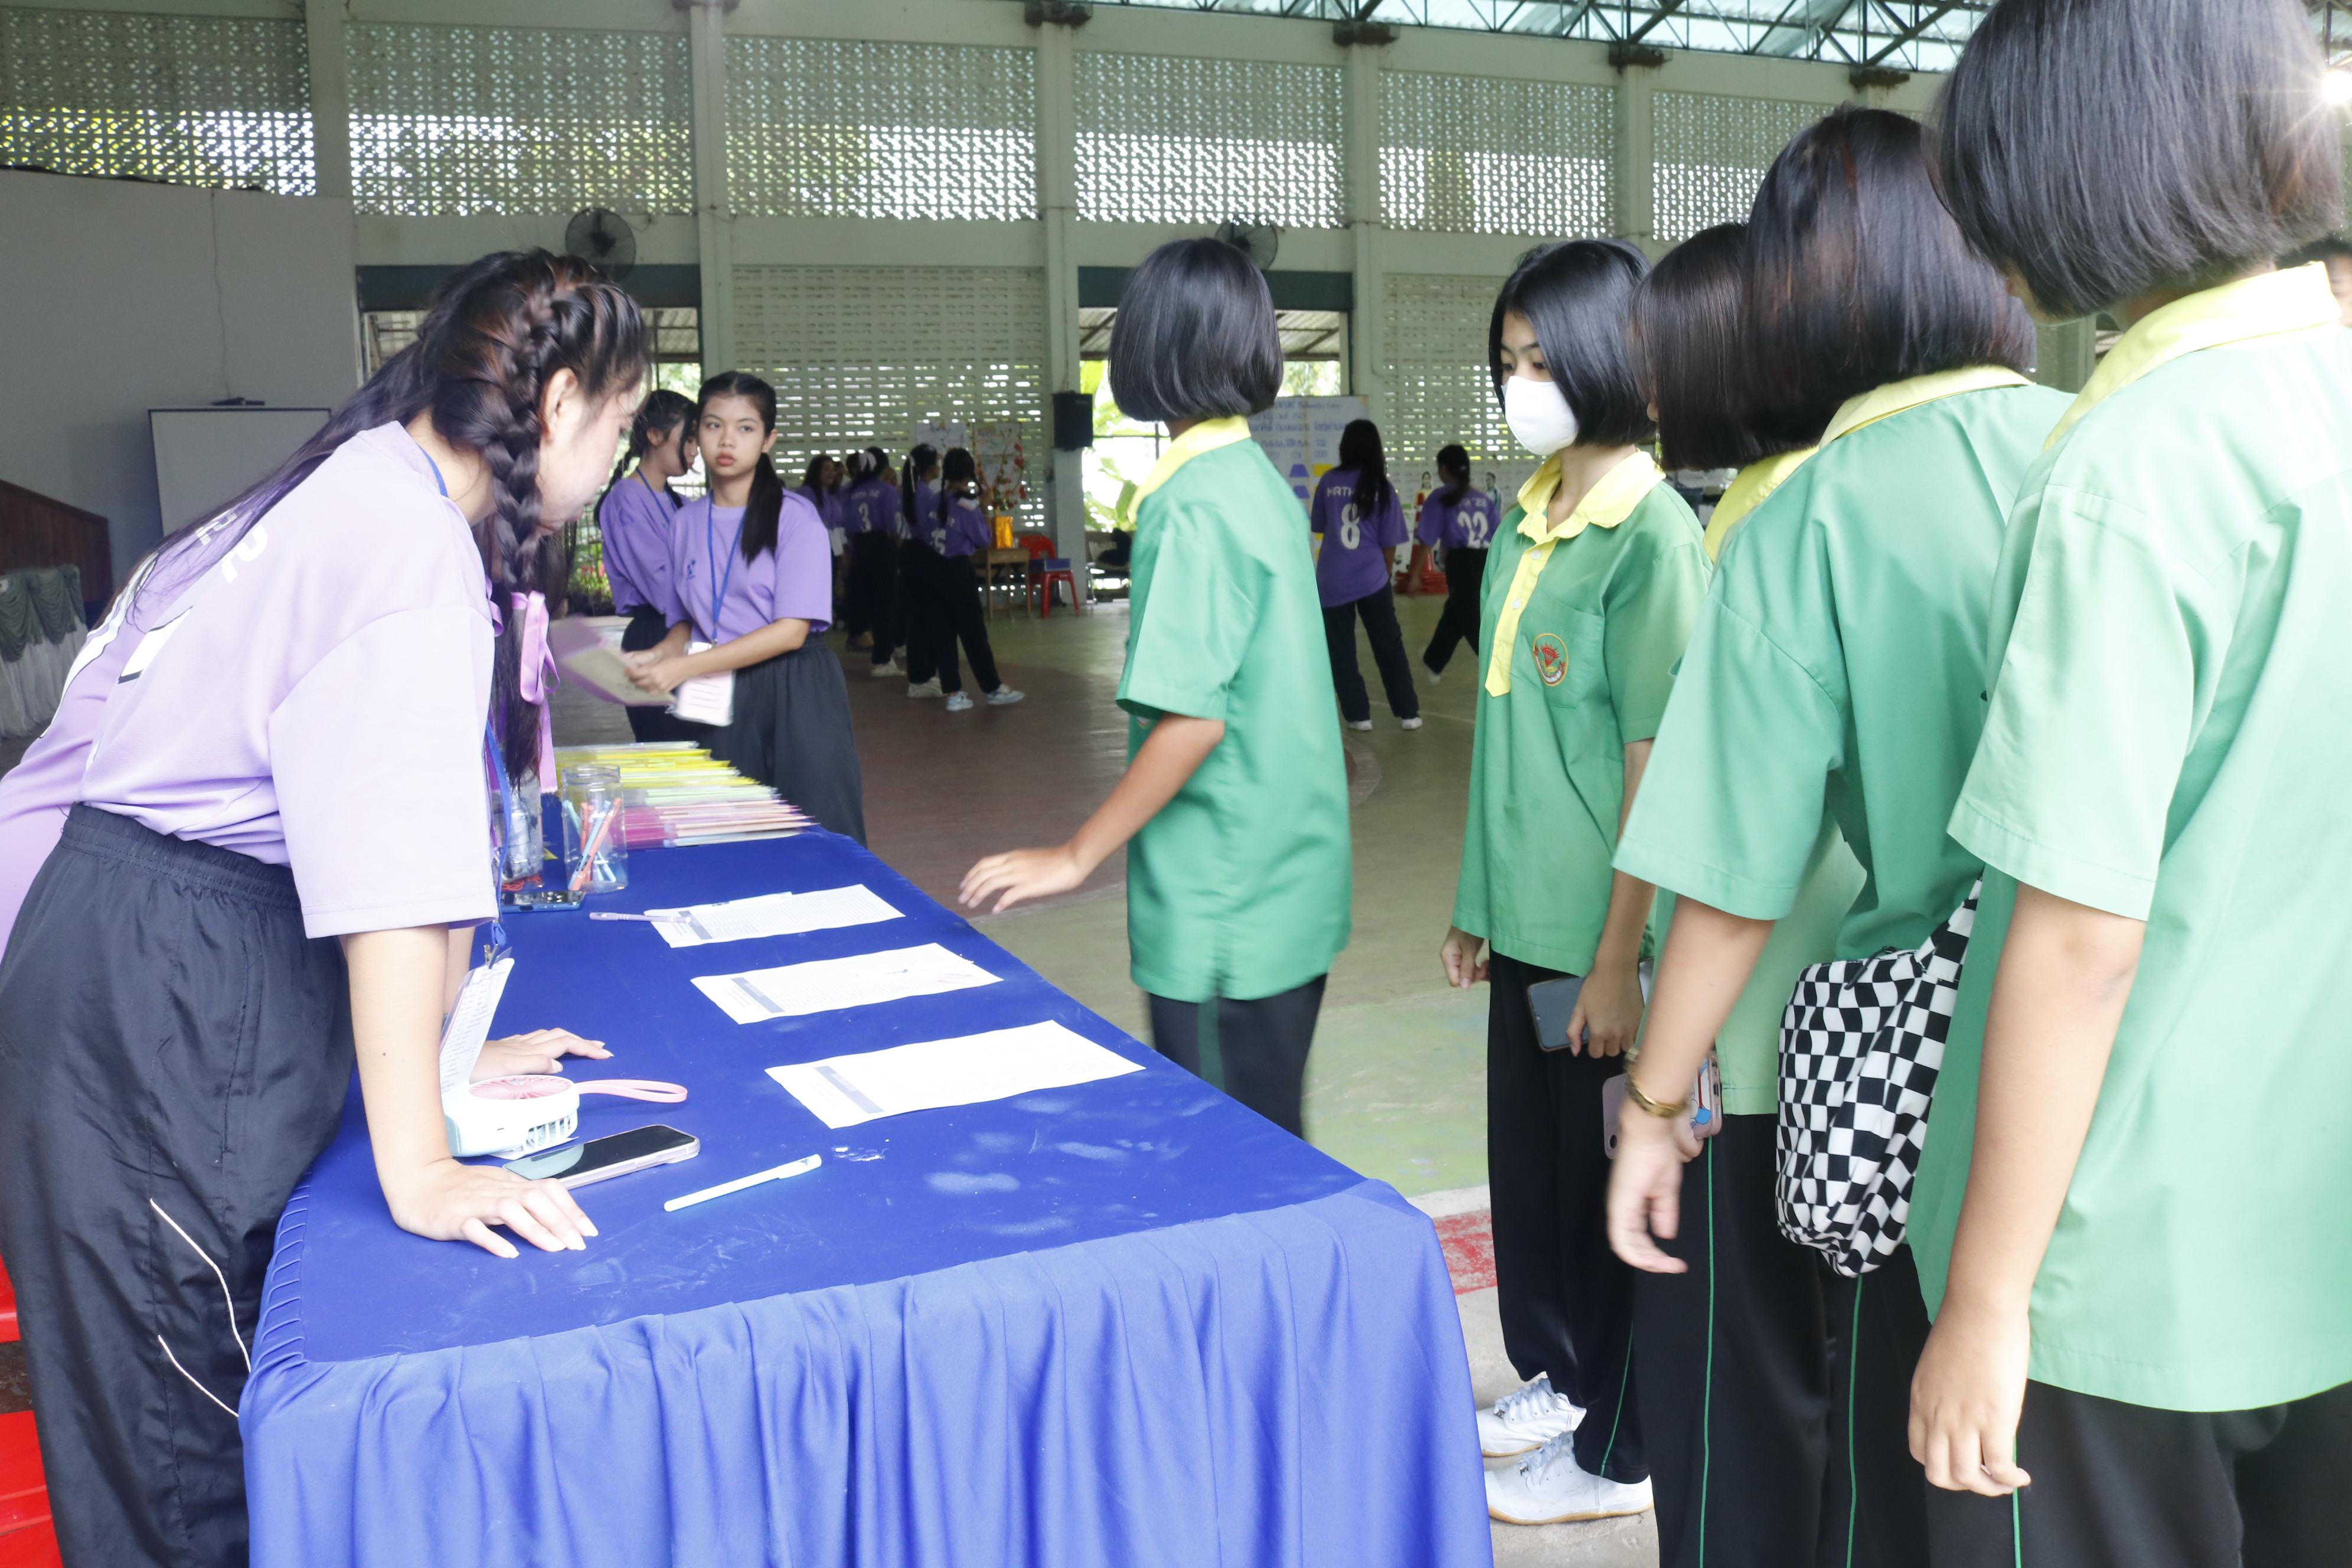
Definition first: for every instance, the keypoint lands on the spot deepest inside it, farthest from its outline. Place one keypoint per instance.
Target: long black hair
(812, 475)
(958, 469)
(496, 333)
(919, 461)
(662, 412)
(765, 507)
(1454, 464)
(1360, 449)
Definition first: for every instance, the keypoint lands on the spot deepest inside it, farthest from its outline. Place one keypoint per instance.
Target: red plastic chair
(1045, 569)
(27, 1539)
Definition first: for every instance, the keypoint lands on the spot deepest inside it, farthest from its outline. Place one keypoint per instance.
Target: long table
(1127, 1323)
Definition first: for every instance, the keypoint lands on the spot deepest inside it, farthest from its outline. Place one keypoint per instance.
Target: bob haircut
(1578, 295)
(1686, 343)
(1857, 276)
(2102, 149)
(1194, 337)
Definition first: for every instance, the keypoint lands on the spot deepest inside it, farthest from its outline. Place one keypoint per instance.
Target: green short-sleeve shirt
(1839, 664)
(1240, 887)
(1591, 666)
(2170, 737)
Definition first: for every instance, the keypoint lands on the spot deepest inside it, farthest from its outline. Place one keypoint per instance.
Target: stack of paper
(772, 914)
(675, 793)
(846, 1091)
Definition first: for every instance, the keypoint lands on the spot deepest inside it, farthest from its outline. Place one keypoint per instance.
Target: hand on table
(1607, 1017)
(1020, 875)
(1966, 1398)
(535, 1052)
(1463, 957)
(445, 1201)
(1645, 1186)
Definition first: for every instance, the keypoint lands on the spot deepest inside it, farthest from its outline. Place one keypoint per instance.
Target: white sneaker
(1428, 675)
(1412, 723)
(885, 671)
(1005, 697)
(959, 702)
(1358, 723)
(1526, 1419)
(924, 688)
(1549, 1486)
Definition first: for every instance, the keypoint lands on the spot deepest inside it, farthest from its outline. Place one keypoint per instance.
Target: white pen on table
(652, 916)
(777, 1174)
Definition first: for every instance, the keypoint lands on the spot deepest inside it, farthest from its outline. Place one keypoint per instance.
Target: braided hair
(498, 331)
(763, 510)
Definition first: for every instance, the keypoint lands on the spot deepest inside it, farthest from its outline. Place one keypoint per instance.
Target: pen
(778, 1174)
(615, 915)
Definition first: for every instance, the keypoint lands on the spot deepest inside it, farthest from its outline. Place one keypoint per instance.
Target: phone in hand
(601, 1158)
(1705, 1105)
(1553, 1004)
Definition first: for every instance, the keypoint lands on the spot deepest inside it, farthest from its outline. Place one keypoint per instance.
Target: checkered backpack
(1861, 1045)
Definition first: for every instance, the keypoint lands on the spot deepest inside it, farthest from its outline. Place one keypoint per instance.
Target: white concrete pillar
(714, 219)
(331, 96)
(1057, 200)
(1637, 161)
(1361, 166)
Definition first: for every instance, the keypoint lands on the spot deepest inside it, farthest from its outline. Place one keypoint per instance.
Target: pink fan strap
(636, 1089)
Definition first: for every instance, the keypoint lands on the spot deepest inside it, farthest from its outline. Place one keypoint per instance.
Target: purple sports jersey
(965, 531)
(870, 506)
(1467, 524)
(316, 697)
(727, 596)
(1355, 560)
(636, 520)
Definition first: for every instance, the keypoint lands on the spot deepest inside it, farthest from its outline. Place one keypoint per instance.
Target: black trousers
(873, 592)
(1567, 1299)
(1466, 570)
(918, 566)
(792, 731)
(173, 1054)
(1379, 611)
(1775, 1395)
(2120, 1486)
(647, 628)
(1254, 1050)
(956, 613)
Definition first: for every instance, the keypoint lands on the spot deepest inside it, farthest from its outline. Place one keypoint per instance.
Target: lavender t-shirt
(927, 515)
(1467, 524)
(964, 532)
(871, 506)
(635, 522)
(1355, 560)
(791, 582)
(316, 699)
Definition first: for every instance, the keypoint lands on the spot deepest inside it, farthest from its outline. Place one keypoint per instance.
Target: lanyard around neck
(710, 557)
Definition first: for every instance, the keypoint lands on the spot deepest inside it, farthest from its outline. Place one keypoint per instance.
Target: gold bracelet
(1644, 1104)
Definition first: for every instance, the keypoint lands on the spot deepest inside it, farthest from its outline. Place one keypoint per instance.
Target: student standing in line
(918, 567)
(2145, 1315)
(293, 751)
(870, 513)
(1593, 584)
(1461, 521)
(1362, 519)
(1839, 665)
(748, 582)
(634, 517)
(820, 487)
(1235, 797)
(960, 532)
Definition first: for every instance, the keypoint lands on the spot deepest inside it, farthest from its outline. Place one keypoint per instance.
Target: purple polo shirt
(927, 514)
(1354, 561)
(316, 699)
(965, 531)
(791, 582)
(636, 521)
(1467, 524)
(871, 506)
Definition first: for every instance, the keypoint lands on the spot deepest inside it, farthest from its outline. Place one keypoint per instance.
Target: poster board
(1301, 437)
(998, 448)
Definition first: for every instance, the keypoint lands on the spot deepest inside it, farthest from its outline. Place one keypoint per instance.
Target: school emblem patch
(1551, 658)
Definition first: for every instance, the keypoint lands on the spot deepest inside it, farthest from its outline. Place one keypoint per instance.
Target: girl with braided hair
(279, 840)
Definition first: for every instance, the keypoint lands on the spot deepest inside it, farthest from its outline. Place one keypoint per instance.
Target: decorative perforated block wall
(1487, 155)
(1712, 152)
(194, 100)
(1439, 390)
(1165, 139)
(519, 120)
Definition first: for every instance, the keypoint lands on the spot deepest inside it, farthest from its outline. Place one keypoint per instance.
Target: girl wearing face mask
(282, 823)
(1591, 587)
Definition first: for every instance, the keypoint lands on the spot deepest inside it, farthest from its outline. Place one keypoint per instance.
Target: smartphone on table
(601, 1158)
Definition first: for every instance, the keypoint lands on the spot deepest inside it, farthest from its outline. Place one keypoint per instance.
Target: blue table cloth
(1127, 1323)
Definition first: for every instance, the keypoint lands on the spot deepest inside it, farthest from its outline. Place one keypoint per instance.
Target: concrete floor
(1396, 1085)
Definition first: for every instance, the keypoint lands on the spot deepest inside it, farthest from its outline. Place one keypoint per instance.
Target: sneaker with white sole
(1412, 723)
(924, 688)
(1526, 1419)
(1549, 1486)
(1005, 697)
(1429, 675)
(885, 671)
(1358, 723)
(959, 702)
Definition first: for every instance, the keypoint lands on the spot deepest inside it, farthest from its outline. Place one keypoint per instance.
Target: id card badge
(468, 1026)
(707, 699)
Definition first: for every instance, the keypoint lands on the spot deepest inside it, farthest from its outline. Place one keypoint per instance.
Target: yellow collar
(1206, 436)
(2269, 304)
(1747, 490)
(1885, 402)
(1609, 501)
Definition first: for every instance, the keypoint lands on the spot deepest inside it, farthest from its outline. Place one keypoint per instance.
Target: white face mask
(1539, 417)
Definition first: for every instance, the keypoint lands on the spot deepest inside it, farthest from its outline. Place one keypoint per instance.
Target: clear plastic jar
(595, 859)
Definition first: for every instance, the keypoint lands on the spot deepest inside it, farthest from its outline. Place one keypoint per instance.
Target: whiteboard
(204, 456)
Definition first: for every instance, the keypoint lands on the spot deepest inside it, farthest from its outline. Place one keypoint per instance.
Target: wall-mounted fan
(1258, 241)
(603, 237)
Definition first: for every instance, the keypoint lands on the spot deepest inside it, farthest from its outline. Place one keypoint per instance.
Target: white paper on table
(772, 914)
(825, 984)
(707, 699)
(843, 1092)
